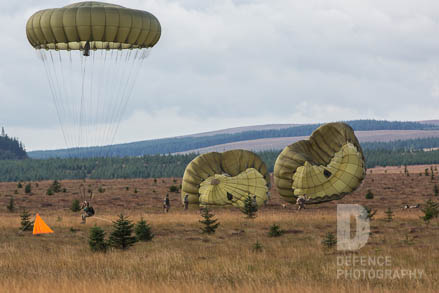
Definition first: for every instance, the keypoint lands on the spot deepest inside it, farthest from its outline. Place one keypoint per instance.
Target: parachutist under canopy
(87, 49)
(88, 211)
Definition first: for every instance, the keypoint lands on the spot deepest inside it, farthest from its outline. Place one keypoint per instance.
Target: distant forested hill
(395, 153)
(188, 143)
(11, 148)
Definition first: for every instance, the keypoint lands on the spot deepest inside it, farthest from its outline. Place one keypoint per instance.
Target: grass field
(180, 259)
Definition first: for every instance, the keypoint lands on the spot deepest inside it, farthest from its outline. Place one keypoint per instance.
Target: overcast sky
(223, 63)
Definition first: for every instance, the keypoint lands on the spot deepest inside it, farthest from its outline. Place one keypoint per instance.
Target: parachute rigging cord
(102, 219)
(90, 91)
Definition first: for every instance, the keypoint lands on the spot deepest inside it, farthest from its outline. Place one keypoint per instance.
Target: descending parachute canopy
(103, 25)
(92, 53)
(326, 167)
(225, 178)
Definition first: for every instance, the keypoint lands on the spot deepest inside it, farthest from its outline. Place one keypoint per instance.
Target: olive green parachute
(103, 25)
(92, 54)
(225, 178)
(326, 167)
(226, 190)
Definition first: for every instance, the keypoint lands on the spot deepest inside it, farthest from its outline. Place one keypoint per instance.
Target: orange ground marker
(40, 227)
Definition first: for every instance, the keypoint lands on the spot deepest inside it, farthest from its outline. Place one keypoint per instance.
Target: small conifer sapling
(121, 237)
(209, 223)
(143, 231)
(96, 239)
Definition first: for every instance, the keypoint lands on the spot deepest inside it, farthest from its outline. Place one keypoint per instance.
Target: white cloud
(223, 63)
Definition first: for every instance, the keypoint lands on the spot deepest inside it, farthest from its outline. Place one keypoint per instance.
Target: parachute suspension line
(117, 95)
(112, 95)
(74, 119)
(91, 94)
(129, 68)
(136, 65)
(124, 78)
(96, 80)
(141, 55)
(102, 219)
(90, 109)
(81, 105)
(104, 92)
(55, 69)
(100, 81)
(121, 69)
(64, 99)
(109, 54)
(43, 58)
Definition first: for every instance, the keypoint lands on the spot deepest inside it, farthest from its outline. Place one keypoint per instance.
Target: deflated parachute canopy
(326, 167)
(225, 178)
(225, 190)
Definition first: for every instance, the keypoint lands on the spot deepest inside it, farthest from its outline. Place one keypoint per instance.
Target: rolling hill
(260, 137)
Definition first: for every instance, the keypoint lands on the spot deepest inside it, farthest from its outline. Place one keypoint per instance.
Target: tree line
(10, 147)
(156, 166)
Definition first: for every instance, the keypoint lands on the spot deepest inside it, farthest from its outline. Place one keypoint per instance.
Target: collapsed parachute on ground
(326, 167)
(226, 179)
(92, 53)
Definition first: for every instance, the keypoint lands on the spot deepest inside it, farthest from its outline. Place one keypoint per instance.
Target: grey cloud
(236, 61)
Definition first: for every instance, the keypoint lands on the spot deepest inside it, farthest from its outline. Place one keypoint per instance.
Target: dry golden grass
(180, 259)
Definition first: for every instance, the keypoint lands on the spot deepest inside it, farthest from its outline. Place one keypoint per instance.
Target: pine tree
(369, 194)
(210, 225)
(76, 207)
(28, 188)
(11, 205)
(257, 246)
(389, 215)
(96, 239)
(26, 223)
(431, 211)
(329, 241)
(121, 237)
(436, 190)
(275, 231)
(143, 231)
(19, 185)
(56, 186)
(250, 207)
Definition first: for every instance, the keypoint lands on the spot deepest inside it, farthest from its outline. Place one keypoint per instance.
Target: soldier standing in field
(186, 202)
(166, 204)
(301, 202)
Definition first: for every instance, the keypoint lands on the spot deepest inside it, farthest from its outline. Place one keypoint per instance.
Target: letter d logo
(344, 214)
